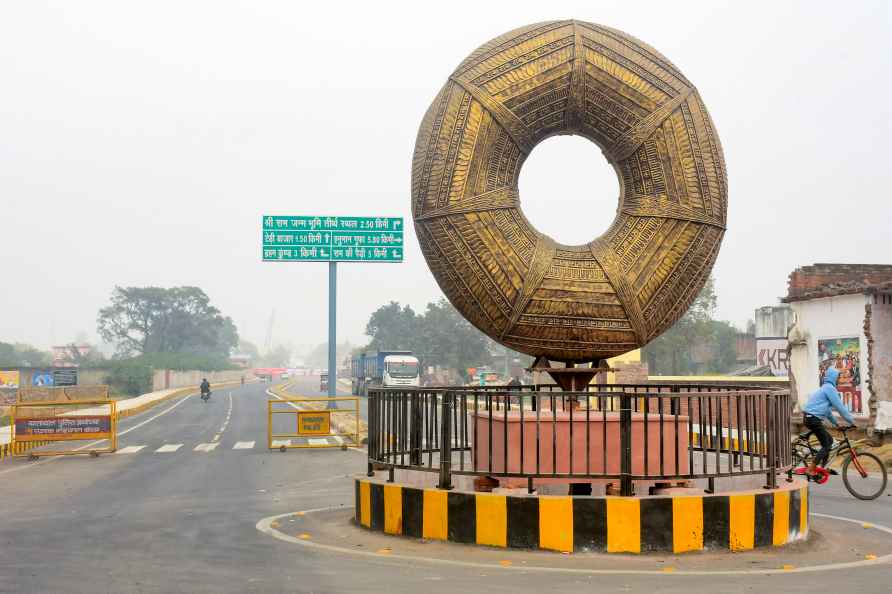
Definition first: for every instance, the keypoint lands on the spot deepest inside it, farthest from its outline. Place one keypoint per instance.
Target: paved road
(184, 520)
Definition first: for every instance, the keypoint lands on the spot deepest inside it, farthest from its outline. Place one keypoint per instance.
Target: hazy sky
(140, 143)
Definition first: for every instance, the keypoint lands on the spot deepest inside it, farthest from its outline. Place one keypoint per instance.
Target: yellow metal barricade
(314, 422)
(39, 423)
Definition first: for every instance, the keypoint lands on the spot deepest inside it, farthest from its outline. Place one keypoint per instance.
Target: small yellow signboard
(314, 422)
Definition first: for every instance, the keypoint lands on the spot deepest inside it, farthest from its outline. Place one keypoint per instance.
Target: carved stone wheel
(519, 286)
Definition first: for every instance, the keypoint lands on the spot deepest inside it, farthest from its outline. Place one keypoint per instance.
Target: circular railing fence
(626, 433)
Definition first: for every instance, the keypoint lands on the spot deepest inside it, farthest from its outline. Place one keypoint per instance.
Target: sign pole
(332, 239)
(332, 330)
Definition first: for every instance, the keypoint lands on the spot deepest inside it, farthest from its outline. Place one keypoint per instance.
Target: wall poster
(845, 355)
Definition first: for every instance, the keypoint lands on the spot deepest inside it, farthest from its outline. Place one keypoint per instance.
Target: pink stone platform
(554, 430)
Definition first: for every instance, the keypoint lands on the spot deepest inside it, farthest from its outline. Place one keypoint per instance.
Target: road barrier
(72, 394)
(314, 423)
(63, 420)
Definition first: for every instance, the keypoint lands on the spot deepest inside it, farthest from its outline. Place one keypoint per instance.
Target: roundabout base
(735, 521)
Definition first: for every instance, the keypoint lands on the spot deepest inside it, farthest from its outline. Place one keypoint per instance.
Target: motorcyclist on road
(820, 406)
(205, 387)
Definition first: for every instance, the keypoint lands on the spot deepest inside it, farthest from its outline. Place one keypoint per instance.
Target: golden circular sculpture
(569, 303)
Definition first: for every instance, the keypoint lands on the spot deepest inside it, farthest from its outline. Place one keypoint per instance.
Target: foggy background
(140, 143)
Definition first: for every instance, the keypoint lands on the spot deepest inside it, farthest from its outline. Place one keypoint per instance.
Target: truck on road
(383, 369)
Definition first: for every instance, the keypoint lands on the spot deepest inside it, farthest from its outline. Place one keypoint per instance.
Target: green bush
(129, 378)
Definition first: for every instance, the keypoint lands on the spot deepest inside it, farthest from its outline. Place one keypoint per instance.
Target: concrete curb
(675, 524)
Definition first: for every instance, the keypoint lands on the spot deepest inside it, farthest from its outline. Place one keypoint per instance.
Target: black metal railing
(626, 433)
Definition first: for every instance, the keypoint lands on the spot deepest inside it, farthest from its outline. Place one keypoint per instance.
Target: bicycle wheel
(869, 485)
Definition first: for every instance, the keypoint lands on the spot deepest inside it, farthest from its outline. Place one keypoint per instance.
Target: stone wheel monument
(614, 467)
(569, 303)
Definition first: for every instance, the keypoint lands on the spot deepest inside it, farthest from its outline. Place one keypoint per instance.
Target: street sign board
(63, 428)
(332, 239)
(314, 422)
(65, 377)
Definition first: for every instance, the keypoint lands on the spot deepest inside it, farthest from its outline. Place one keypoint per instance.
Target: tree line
(439, 335)
(150, 328)
(696, 344)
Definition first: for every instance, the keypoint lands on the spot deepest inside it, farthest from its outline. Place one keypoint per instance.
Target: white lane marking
(168, 448)
(317, 441)
(206, 447)
(130, 449)
(243, 445)
(98, 441)
(225, 422)
(162, 413)
(265, 526)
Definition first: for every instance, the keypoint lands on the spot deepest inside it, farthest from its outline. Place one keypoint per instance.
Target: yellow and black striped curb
(8, 450)
(675, 524)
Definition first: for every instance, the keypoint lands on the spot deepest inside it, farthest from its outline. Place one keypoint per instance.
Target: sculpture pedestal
(554, 444)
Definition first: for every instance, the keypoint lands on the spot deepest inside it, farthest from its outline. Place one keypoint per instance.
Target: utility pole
(332, 331)
(268, 343)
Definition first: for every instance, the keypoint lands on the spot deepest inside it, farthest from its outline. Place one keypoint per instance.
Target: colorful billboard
(9, 379)
(845, 355)
(42, 378)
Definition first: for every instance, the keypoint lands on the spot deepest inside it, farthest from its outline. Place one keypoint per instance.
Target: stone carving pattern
(621, 290)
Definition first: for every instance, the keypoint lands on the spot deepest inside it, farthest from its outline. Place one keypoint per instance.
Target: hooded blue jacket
(821, 403)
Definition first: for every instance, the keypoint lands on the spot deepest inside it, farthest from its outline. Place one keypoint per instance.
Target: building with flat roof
(842, 317)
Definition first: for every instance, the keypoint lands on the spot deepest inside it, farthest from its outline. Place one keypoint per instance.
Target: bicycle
(863, 474)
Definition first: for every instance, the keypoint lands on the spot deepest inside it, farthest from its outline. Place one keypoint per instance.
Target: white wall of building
(881, 355)
(826, 318)
(773, 321)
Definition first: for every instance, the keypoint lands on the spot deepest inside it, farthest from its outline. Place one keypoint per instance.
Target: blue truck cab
(384, 369)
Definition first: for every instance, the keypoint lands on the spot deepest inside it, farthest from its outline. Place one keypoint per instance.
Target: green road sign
(332, 239)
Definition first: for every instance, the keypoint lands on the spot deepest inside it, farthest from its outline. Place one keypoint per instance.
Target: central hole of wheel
(568, 190)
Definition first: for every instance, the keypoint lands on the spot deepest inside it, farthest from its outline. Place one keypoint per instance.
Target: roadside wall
(92, 377)
(164, 379)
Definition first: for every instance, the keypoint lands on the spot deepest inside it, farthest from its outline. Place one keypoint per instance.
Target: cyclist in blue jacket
(820, 406)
